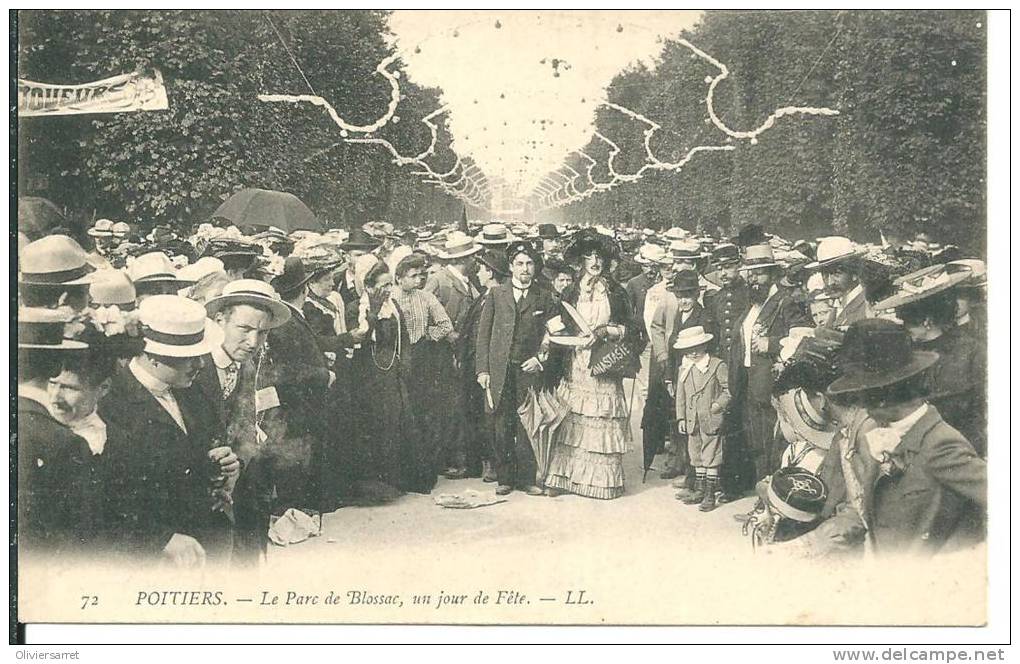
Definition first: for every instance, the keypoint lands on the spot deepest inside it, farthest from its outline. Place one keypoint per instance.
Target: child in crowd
(702, 394)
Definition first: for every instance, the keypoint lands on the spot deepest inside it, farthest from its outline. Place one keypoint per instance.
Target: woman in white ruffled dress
(587, 457)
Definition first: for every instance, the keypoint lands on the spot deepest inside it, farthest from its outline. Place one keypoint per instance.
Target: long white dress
(589, 444)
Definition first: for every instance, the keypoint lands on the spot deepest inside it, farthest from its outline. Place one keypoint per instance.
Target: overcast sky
(500, 83)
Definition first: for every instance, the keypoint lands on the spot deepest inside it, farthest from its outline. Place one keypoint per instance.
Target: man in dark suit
(55, 487)
(299, 374)
(451, 284)
(357, 244)
(245, 312)
(754, 350)
(509, 359)
(170, 473)
(923, 483)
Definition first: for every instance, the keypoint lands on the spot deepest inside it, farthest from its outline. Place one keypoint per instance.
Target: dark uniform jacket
(159, 478)
(726, 308)
(57, 512)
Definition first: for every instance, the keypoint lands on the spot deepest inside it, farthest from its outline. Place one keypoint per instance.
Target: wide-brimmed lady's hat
(758, 256)
(877, 353)
(55, 260)
(112, 287)
(102, 228)
(495, 234)
(652, 254)
(495, 261)
(691, 337)
(458, 245)
(923, 283)
(294, 276)
(833, 251)
(589, 240)
(173, 326)
(359, 240)
(974, 268)
(685, 282)
(43, 329)
(252, 292)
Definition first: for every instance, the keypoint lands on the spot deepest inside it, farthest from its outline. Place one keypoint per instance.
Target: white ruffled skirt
(587, 458)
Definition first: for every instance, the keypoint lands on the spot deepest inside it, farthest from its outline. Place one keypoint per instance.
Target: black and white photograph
(503, 317)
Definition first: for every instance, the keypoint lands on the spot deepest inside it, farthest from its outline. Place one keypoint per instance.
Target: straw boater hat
(685, 250)
(43, 329)
(173, 326)
(55, 260)
(691, 337)
(458, 245)
(102, 228)
(878, 353)
(121, 229)
(921, 284)
(253, 292)
(494, 234)
(154, 267)
(652, 254)
(112, 287)
(833, 251)
(758, 256)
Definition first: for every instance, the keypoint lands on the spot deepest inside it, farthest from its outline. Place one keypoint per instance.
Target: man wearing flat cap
(508, 361)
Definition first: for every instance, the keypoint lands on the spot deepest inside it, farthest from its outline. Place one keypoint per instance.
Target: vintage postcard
(502, 317)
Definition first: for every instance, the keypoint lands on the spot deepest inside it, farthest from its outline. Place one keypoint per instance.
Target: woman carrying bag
(587, 457)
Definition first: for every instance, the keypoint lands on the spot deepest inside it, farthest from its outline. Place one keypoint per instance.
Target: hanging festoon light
(563, 195)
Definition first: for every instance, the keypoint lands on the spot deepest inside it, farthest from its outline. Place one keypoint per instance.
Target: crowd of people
(180, 391)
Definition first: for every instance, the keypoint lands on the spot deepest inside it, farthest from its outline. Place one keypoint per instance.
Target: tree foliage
(177, 165)
(906, 153)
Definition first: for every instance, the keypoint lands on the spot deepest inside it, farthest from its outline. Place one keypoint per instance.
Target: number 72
(89, 600)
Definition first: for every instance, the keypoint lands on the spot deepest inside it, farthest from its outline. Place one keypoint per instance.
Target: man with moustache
(509, 359)
(755, 348)
(838, 263)
(169, 472)
(244, 313)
